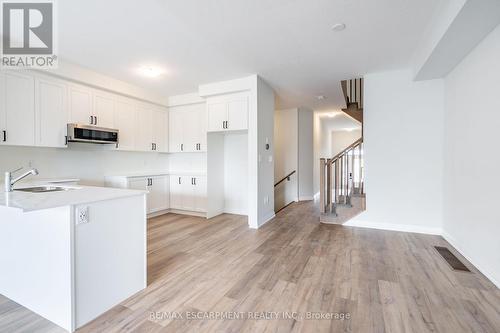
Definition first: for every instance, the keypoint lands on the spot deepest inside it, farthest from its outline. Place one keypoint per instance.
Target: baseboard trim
(306, 198)
(394, 227)
(177, 211)
(266, 219)
(453, 242)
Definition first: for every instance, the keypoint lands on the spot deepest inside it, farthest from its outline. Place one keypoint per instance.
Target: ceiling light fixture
(320, 97)
(338, 27)
(150, 71)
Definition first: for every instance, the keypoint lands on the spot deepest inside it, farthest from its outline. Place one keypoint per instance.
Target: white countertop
(79, 194)
(159, 173)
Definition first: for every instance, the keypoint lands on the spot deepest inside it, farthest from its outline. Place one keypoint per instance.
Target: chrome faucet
(9, 182)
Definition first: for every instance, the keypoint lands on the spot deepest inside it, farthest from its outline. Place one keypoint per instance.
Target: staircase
(353, 95)
(342, 193)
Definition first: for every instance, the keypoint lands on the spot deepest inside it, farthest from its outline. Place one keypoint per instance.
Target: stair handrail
(285, 178)
(346, 150)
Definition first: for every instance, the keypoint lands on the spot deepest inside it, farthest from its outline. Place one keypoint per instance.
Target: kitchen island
(73, 252)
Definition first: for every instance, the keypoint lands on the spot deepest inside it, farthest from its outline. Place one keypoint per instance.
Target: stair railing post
(335, 188)
(341, 161)
(328, 184)
(322, 185)
(348, 170)
(361, 169)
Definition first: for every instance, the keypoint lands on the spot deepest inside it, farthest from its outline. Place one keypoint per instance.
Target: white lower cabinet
(188, 193)
(181, 192)
(159, 194)
(158, 197)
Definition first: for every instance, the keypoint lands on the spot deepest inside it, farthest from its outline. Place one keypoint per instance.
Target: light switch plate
(82, 215)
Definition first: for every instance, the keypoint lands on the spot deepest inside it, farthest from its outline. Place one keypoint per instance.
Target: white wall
(306, 154)
(236, 173)
(90, 163)
(265, 135)
(472, 157)
(341, 139)
(325, 122)
(286, 142)
(286, 155)
(195, 163)
(403, 135)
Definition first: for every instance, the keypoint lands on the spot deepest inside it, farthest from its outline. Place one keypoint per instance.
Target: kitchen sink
(43, 189)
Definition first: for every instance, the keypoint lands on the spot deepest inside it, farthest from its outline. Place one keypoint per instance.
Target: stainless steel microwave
(92, 134)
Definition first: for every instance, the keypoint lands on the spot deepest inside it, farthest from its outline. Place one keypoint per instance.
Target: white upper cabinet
(104, 109)
(217, 116)
(144, 129)
(17, 109)
(36, 108)
(51, 112)
(160, 130)
(152, 129)
(125, 121)
(237, 114)
(80, 105)
(91, 107)
(228, 112)
(187, 128)
(175, 131)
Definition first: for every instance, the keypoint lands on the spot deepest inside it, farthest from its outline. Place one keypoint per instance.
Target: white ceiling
(288, 42)
(339, 122)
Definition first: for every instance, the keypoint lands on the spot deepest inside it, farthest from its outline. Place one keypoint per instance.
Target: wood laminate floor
(378, 281)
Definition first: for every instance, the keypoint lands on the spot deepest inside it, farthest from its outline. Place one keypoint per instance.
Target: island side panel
(110, 255)
(35, 261)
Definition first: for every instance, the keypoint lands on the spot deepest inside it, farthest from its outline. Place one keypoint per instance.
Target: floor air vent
(450, 258)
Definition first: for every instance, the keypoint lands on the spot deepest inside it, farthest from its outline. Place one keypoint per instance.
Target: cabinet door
(201, 127)
(17, 111)
(217, 115)
(158, 194)
(160, 122)
(51, 113)
(125, 122)
(80, 105)
(175, 131)
(189, 201)
(142, 185)
(200, 194)
(176, 192)
(191, 130)
(144, 126)
(237, 114)
(104, 109)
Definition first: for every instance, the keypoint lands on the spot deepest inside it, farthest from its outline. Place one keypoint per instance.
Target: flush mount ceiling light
(150, 71)
(338, 27)
(320, 97)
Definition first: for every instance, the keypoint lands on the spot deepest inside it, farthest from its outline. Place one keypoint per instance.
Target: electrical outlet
(82, 215)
